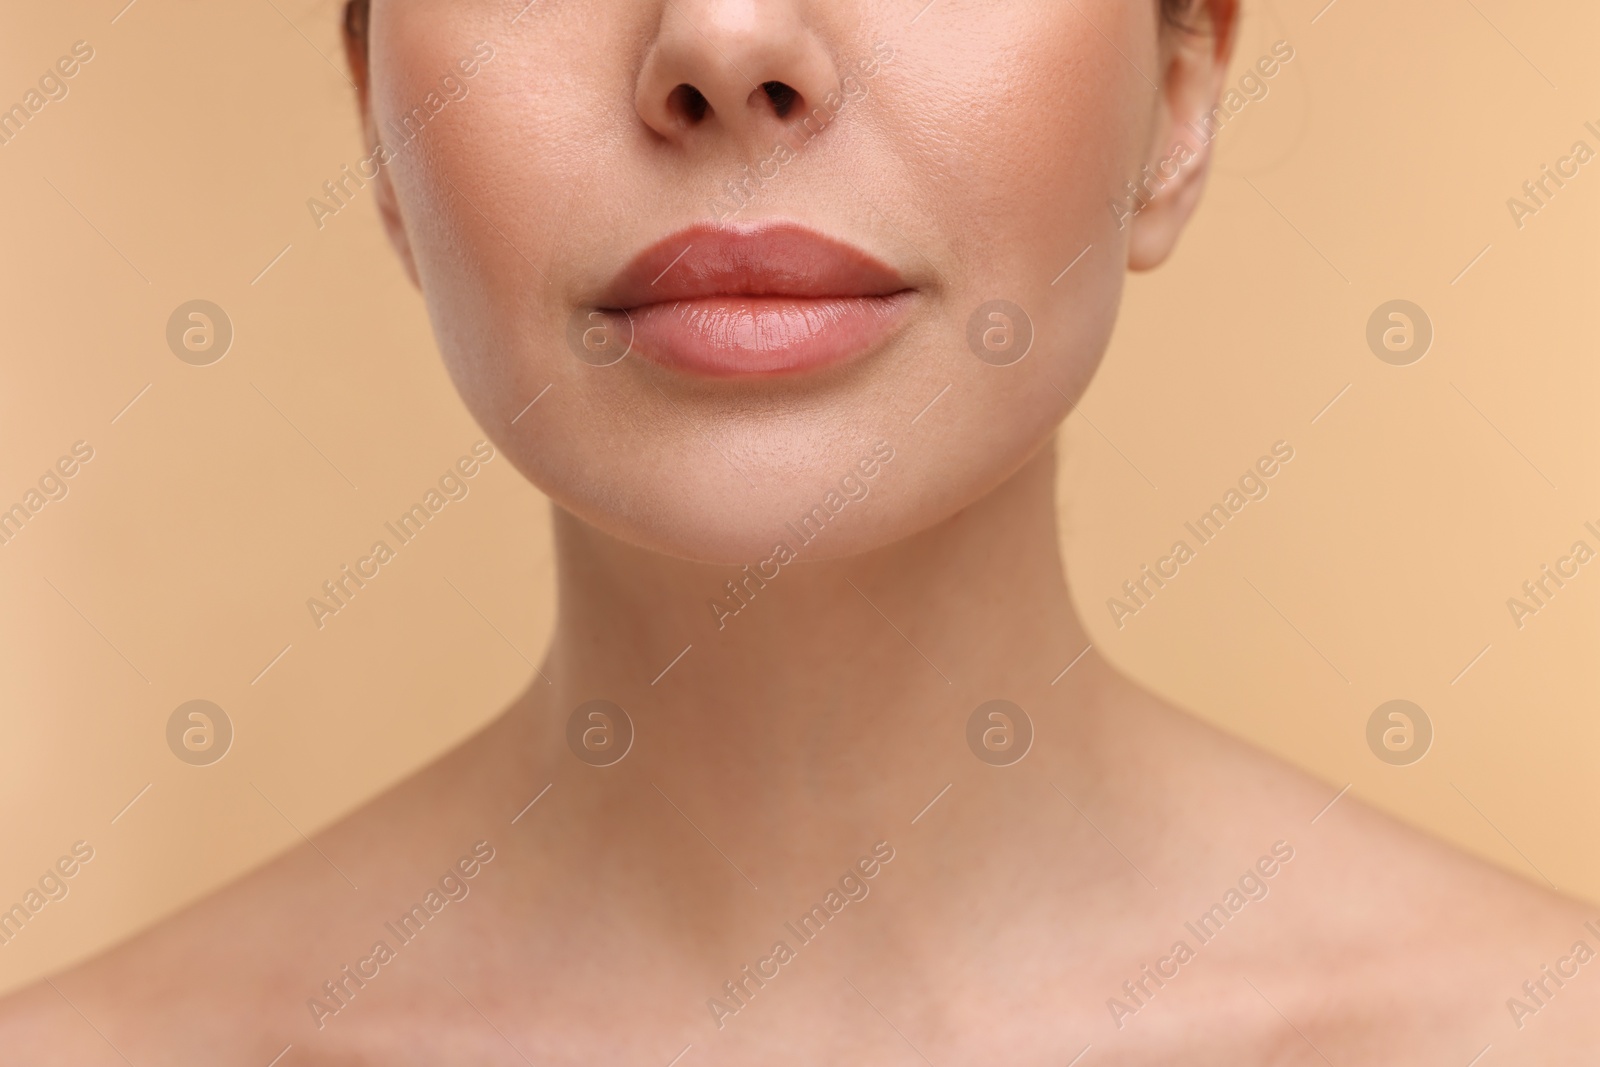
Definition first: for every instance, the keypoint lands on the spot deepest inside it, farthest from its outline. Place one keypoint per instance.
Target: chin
(791, 472)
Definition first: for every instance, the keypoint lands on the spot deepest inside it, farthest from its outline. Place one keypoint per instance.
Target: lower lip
(737, 336)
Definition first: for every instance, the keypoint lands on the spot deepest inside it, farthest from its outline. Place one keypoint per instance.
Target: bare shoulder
(1455, 953)
(1377, 943)
(237, 977)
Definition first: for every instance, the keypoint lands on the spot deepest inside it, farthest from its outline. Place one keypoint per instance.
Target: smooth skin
(825, 716)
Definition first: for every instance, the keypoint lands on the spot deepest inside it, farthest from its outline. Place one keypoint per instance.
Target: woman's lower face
(690, 262)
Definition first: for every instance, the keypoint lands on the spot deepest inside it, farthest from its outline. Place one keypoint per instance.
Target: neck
(834, 704)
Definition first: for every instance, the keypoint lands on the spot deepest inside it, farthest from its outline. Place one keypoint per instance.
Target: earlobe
(395, 227)
(356, 14)
(1165, 195)
(356, 41)
(1160, 199)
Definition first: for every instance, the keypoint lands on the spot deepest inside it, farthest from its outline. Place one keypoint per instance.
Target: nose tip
(731, 65)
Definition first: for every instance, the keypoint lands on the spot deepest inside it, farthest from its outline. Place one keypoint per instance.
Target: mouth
(768, 299)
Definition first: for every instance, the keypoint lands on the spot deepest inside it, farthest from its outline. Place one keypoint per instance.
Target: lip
(764, 299)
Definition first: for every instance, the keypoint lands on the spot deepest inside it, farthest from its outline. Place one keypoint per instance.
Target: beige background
(178, 567)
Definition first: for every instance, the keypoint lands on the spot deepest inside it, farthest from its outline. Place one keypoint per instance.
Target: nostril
(688, 104)
(781, 96)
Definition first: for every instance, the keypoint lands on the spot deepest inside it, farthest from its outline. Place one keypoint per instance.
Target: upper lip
(773, 259)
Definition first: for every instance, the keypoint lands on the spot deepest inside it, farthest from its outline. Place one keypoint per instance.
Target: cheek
(1024, 127)
(478, 253)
